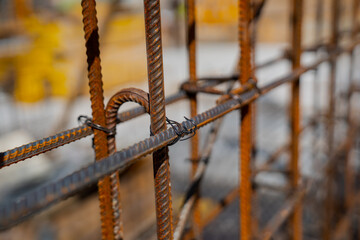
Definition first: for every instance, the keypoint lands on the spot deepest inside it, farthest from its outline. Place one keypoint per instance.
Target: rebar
(98, 112)
(245, 137)
(295, 116)
(158, 118)
(111, 110)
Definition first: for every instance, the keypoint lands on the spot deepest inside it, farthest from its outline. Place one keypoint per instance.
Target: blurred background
(43, 89)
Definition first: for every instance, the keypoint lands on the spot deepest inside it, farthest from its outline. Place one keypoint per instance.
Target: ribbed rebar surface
(158, 118)
(98, 112)
(245, 136)
(111, 113)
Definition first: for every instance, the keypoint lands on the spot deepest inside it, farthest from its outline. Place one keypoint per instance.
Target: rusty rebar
(158, 118)
(111, 113)
(23, 152)
(295, 116)
(194, 142)
(245, 136)
(98, 112)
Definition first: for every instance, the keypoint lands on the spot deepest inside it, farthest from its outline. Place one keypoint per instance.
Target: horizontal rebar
(23, 152)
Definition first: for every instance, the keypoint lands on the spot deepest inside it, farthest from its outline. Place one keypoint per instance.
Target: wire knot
(181, 130)
(236, 97)
(253, 82)
(85, 120)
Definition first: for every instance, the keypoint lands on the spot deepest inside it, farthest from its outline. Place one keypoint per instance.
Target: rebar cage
(338, 218)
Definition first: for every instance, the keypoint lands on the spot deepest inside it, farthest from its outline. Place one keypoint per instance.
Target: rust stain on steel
(295, 116)
(98, 111)
(158, 118)
(245, 138)
(191, 46)
(46, 144)
(111, 112)
(194, 141)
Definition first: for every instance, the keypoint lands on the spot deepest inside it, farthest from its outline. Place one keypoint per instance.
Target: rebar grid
(110, 162)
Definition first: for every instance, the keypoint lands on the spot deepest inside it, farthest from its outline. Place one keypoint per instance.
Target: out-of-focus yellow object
(124, 53)
(38, 72)
(217, 11)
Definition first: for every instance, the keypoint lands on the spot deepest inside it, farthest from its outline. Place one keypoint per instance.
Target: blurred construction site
(304, 162)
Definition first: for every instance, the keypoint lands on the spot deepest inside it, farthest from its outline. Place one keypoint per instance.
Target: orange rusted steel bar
(329, 201)
(191, 47)
(289, 207)
(115, 102)
(295, 116)
(158, 118)
(98, 112)
(245, 137)
(194, 142)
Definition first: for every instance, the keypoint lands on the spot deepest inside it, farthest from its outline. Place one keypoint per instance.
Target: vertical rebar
(245, 138)
(98, 113)
(158, 118)
(295, 116)
(194, 142)
(111, 114)
(329, 201)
